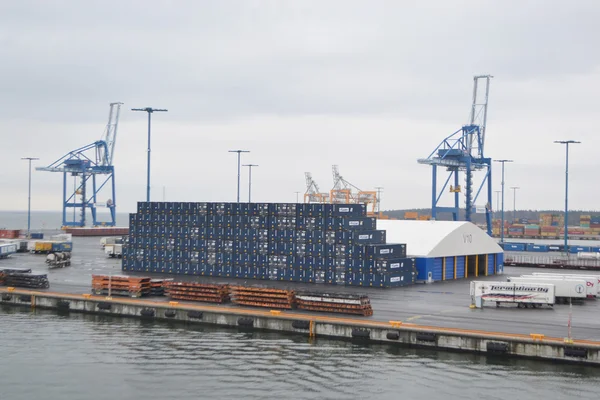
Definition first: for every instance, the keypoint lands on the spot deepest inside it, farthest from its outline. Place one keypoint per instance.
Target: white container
(536, 294)
(592, 280)
(7, 249)
(564, 288)
(113, 250)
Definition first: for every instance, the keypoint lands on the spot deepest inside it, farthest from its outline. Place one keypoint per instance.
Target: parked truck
(592, 281)
(114, 250)
(565, 291)
(105, 241)
(58, 259)
(524, 295)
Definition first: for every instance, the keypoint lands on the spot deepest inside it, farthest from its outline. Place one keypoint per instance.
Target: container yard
(550, 226)
(437, 309)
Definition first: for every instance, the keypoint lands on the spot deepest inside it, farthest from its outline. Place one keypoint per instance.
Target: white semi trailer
(114, 250)
(565, 291)
(525, 295)
(593, 281)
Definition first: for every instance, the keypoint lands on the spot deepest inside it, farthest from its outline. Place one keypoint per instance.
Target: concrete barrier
(502, 344)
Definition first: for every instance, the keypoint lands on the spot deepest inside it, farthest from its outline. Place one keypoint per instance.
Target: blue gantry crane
(463, 151)
(93, 164)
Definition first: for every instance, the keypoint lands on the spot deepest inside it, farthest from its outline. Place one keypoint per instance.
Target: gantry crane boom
(463, 151)
(87, 162)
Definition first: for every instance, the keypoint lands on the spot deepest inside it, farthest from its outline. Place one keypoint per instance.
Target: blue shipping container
(537, 247)
(515, 246)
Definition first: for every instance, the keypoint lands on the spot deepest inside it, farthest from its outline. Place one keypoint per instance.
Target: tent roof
(439, 238)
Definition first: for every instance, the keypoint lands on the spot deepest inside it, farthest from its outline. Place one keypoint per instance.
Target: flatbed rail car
(524, 295)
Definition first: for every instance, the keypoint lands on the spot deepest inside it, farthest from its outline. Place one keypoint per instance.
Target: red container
(9, 233)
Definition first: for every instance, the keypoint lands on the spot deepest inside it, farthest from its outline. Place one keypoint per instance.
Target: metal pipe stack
(335, 303)
(263, 297)
(121, 285)
(205, 292)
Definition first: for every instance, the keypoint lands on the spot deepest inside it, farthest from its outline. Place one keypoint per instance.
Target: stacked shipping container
(334, 244)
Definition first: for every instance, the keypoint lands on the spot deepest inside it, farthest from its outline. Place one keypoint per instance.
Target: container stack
(205, 292)
(26, 280)
(263, 297)
(335, 244)
(121, 285)
(335, 303)
(9, 233)
(532, 230)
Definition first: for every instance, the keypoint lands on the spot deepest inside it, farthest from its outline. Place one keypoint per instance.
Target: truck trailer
(114, 250)
(592, 280)
(524, 295)
(565, 291)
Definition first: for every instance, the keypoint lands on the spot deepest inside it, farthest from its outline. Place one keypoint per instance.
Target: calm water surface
(51, 356)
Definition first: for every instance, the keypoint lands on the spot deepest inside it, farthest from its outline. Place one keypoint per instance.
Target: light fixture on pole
(149, 110)
(514, 189)
(250, 180)
(238, 164)
(29, 159)
(297, 198)
(566, 143)
(502, 223)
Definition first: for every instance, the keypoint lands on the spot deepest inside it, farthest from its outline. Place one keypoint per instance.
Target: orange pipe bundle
(263, 297)
(205, 292)
(121, 285)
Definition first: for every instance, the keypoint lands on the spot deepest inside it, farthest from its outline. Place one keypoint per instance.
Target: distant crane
(312, 194)
(463, 151)
(342, 192)
(87, 162)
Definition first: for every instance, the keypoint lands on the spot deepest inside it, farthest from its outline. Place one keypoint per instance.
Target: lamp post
(250, 180)
(149, 110)
(238, 164)
(514, 189)
(566, 143)
(497, 201)
(502, 226)
(297, 199)
(29, 159)
(379, 189)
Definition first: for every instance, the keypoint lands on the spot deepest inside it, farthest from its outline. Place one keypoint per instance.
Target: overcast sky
(368, 85)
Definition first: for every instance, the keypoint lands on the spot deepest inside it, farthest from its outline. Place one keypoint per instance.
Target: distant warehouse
(446, 250)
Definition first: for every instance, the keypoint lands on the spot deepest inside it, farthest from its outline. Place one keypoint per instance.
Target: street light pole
(238, 164)
(379, 189)
(149, 110)
(497, 201)
(297, 194)
(514, 189)
(566, 143)
(250, 180)
(29, 159)
(502, 226)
